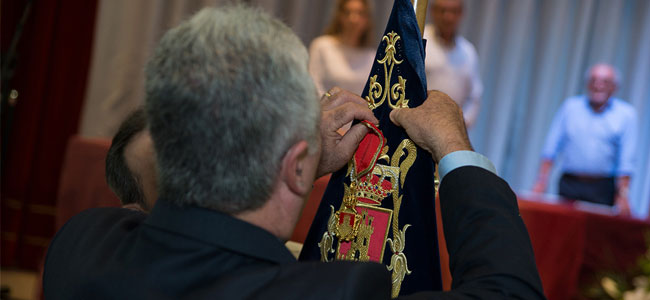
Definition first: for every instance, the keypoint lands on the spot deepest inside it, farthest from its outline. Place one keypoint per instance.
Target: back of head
(118, 175)
(228, 92)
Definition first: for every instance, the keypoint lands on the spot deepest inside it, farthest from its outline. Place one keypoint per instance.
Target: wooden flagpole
(420, 7)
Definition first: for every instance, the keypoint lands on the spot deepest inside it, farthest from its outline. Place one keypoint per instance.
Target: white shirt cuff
(463, 158)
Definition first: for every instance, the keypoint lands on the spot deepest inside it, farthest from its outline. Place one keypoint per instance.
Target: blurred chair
(83, 184)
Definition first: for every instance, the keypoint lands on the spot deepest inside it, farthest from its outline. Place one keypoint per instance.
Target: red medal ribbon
(368, 151)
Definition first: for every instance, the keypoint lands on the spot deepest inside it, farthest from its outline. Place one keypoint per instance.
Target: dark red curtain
(52, 66)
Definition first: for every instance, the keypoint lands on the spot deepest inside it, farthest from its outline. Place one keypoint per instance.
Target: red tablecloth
(572, 246)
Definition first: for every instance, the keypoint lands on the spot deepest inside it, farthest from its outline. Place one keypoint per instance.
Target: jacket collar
(220, 230)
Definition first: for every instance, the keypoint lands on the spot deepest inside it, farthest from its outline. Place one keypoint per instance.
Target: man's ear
(294, 168)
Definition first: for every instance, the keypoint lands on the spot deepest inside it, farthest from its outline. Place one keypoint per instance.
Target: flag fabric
(380, 207)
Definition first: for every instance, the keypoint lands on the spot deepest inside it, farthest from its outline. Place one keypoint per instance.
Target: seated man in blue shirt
(596, 133)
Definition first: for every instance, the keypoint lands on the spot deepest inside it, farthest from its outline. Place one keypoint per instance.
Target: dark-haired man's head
(130, 163)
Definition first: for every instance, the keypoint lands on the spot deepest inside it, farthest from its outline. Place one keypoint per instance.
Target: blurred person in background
(343, 56)
(451, 63)
(596, 134)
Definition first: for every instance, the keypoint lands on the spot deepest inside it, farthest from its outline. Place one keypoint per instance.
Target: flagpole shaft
(420, 7)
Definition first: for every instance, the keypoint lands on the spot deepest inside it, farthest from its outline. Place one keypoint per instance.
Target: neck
(446, 39)
(278, 215)
(261, 218)
(598, 107)
(349, 40)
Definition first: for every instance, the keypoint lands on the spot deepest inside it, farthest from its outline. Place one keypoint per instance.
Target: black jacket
(195, 253)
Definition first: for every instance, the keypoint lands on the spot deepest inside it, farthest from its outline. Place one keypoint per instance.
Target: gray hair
(228, 93)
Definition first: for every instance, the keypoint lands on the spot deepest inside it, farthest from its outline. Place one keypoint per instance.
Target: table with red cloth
(575, 243)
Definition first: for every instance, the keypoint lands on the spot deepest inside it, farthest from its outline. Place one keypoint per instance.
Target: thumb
(398, 115)
(350, 141)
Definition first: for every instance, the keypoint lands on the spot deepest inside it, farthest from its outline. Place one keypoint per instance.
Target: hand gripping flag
(380, 207)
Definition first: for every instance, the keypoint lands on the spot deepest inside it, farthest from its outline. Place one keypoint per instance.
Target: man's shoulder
(102, 218)
(300, 280)
(303, 280)
(88, 241)
(466, 46)
(93, 226)
(576, 99)
(575, 102)
(624, 107)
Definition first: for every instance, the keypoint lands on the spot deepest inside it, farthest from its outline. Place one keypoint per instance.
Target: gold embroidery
(359, 245)
(347, 217)
(391, 39)
(375, 192)
(408, 161)
(384, 154)
(398, 263)
(375, 90)
(327, 241)
(356, 233)
(398, 90)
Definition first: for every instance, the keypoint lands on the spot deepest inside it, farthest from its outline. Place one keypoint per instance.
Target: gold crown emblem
(373, 192)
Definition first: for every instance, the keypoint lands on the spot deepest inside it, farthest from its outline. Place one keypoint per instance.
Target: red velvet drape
(50, 77)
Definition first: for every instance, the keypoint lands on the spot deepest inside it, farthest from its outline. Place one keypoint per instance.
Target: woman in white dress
(342, 56)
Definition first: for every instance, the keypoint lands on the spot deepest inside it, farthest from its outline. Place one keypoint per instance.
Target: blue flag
(380, 207)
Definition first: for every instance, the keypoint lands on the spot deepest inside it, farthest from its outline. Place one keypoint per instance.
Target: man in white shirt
(451, 61)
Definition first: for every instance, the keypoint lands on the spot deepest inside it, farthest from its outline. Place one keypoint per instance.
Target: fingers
(397, 115)
(339, 97)
(346, 113)
(350, 141)
(333, 91)
(339, 108)
(437, 125)
(338, 150)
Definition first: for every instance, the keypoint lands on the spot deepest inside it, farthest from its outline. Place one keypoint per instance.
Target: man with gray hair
(240, 136)
(596, 133)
